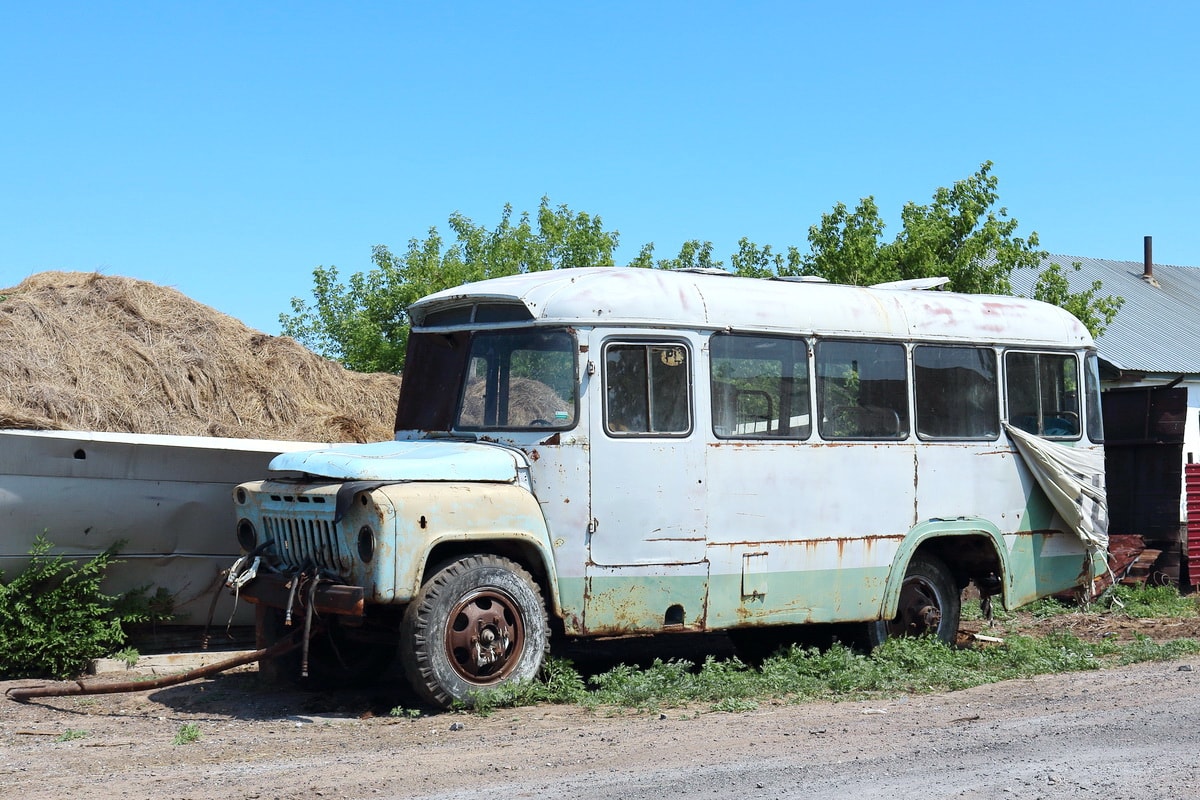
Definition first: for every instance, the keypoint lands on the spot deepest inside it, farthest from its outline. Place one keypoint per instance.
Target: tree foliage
(961, 234)
(1088, 306)
(364, 323)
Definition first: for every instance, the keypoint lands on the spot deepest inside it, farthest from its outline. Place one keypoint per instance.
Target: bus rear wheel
(930, 604)
(478, 622)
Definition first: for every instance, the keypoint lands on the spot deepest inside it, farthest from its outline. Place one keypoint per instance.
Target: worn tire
(478, 622)
(930, 604)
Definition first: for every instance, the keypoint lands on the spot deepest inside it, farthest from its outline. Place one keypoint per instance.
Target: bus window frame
(904, 425)
(795, 341)
(648, 344)
(1067, 356)
(995, 399)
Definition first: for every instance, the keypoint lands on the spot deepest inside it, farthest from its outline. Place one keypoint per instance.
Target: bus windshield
(491, 380)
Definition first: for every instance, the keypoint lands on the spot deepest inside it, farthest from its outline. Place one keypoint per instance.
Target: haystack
(92, 352)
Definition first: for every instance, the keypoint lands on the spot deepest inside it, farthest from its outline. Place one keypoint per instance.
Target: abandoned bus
(612, 451)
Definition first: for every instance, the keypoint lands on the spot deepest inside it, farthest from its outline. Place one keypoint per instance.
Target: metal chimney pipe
(1148, 263)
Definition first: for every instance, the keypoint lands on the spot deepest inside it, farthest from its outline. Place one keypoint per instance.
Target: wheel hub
(492, 642)
(919, 610)
(484, 638)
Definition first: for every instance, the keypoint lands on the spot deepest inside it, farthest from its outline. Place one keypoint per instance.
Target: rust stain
(810, 542)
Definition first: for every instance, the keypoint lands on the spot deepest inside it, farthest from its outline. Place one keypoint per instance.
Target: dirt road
(1117, 733)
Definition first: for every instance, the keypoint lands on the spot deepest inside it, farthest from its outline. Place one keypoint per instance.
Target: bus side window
(759, 387)
(862, 390)
(647, 389)
(1043, 393)
(956, 392)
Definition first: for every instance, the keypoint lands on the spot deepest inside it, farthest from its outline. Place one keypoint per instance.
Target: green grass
(1151, 602)
(900, 666)
(187, 734)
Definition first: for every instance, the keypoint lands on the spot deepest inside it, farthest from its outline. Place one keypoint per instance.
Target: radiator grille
(301, 540)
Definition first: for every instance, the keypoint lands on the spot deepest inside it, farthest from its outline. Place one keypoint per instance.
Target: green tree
(961, 234)
(693, 254)
(364, 323)
(1093, 310)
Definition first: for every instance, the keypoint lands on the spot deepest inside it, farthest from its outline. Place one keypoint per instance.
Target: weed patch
(899, 666)
(54, 617)
(187, 734)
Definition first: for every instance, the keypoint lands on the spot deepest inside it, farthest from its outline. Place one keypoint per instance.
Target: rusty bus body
(613, 451)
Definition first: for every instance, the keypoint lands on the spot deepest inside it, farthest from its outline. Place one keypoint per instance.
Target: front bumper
(278, 591)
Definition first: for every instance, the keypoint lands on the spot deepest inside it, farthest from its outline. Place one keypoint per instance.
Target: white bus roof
(630, 297)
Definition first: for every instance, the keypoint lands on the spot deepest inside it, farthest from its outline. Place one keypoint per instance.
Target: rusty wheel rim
(920, 609)
(485, 636)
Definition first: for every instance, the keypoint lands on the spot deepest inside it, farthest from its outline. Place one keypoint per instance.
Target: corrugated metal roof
(1158, 327)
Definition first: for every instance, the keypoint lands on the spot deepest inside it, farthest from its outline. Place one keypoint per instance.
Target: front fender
(426, 515)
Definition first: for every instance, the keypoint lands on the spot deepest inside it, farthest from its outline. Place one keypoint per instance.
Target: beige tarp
(1073, 479)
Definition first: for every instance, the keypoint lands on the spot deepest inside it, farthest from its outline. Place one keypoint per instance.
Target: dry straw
(85, 351)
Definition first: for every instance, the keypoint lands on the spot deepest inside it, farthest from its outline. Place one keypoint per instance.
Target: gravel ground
(1115, 733)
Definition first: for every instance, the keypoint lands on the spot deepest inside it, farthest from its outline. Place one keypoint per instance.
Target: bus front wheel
(930, 604)
(478, 622)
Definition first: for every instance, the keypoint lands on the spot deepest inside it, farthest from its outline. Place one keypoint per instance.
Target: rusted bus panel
(649, 495)
(407, 523)
(624, 600)
(773, 491)
(797, 582)
(1043, 563)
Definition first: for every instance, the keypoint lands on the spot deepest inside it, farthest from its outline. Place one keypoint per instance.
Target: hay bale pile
(92, 352)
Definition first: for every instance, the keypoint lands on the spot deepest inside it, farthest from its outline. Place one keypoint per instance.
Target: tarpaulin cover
(1073, 479)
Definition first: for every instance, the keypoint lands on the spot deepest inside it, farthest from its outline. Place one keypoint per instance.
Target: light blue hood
(420, 460)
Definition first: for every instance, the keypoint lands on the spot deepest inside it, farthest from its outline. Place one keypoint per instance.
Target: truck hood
(419, 460)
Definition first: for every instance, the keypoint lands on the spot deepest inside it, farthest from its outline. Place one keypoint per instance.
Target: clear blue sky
(228, 148)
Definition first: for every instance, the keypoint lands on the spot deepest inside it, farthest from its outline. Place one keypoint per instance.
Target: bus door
(648, 491)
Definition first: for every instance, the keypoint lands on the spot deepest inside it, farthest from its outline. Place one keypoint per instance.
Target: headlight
(366, 544)
(246, 535)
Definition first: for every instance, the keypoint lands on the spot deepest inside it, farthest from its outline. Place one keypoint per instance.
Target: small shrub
(187, 734)
(127, 655)
(559, 683)
(70, 734)
(734, 705)
(54, 617)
